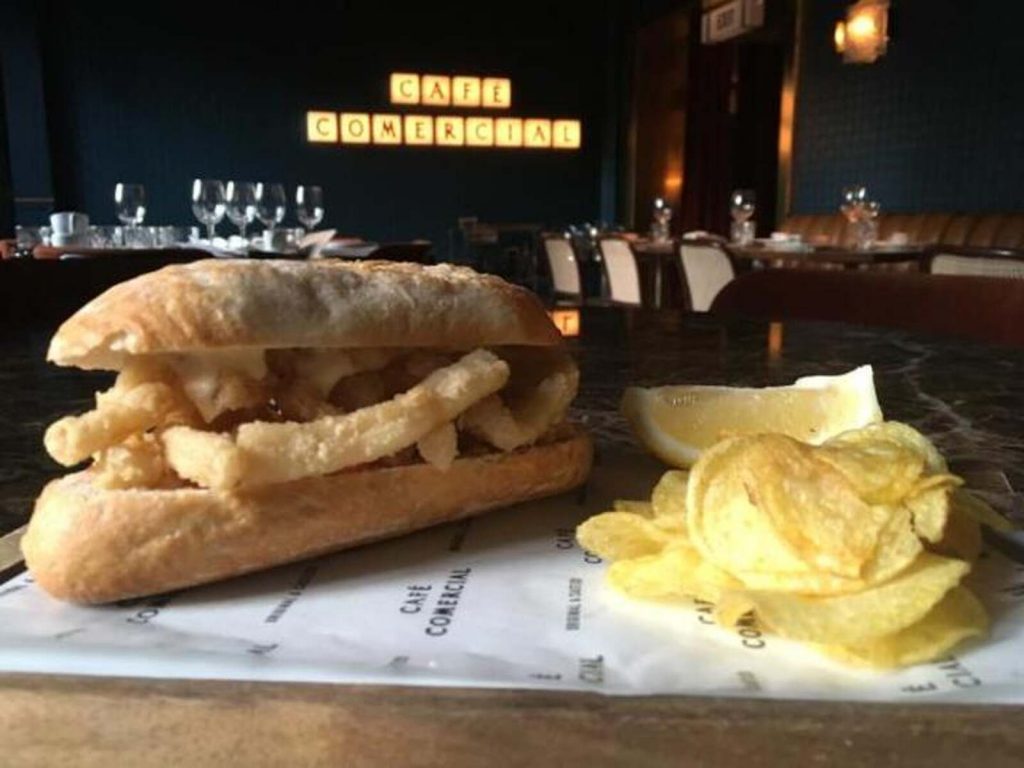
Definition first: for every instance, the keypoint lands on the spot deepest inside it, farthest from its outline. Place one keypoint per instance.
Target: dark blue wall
(24, 110)
(162, 93)
(937, 124)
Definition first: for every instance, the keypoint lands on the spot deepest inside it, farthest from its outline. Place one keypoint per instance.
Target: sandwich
(270, 411)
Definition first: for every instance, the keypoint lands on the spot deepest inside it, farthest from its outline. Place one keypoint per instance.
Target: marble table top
(967, 397)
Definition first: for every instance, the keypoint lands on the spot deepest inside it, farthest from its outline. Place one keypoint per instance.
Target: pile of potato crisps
(858, 546)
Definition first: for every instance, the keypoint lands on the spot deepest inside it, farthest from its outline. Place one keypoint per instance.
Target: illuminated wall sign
(410, 89)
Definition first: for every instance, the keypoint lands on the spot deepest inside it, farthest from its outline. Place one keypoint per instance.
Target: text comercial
(407, 90)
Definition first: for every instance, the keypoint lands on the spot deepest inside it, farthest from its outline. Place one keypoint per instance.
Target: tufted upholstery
(989, 230)
(953, 264)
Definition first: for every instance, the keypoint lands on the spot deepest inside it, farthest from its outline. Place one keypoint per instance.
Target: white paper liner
(506, 600)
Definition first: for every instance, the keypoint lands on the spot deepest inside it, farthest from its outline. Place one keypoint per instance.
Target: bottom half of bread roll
(92, 545)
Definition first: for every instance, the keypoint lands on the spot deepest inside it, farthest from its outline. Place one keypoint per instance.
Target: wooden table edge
(85, 721)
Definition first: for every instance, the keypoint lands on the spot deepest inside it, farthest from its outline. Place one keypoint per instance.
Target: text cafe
(446, 130)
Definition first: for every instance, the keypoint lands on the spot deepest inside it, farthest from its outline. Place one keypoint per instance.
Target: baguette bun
(91, 545)
(223, 304)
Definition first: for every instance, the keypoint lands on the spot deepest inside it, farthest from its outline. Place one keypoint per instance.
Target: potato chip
(763, 503)
(930, 504)
(956, 617)
(814, 506)
(669, 495)
(825, 545)
(851, 619)
(880, 471)
(621, 535)
(642, 508)
(725, 524)
(898, 546)
(897, 432)
(673, 526)
(678, 571)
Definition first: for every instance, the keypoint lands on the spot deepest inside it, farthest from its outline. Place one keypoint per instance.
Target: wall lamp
(863, 35)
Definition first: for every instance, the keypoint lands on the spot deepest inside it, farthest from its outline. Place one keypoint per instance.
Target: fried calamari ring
(120, 413)
(265, 453)
(510, 426)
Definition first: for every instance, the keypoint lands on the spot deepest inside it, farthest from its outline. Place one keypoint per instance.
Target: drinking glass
(852, 205)
(867, 225)
(130, 201)
(26, 239)
(741, 204)
(105, 237)
(309, 206)
(660, 220)
(208, 203)
(270, 204)
(742, 232)
(241, 202)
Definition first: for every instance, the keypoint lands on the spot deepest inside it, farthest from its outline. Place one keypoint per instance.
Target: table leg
(657, 283)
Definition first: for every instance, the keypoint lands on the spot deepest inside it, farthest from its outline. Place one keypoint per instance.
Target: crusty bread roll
(91, 542)
(91, 545)
(218, 304)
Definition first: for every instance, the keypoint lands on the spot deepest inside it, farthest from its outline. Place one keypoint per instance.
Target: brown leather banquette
(982, 230)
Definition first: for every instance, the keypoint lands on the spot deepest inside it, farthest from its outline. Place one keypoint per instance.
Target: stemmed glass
(742, 203)
(241, 204)
(208, 203)
(660, 220)
(270, 204)
(867, 231)
(130, 201)
(852, 205)
(309, 206)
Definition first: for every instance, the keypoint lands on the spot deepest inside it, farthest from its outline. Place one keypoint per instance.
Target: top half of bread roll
(224, 305)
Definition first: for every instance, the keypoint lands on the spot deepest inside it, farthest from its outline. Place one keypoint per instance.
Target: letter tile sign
(425, 128)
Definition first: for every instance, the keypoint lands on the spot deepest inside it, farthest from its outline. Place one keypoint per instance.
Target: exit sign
(730, 20)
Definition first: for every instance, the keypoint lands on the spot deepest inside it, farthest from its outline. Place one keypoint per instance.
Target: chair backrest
(620, 267)
(967, 307)
(565, 275)
(982, 266)
(707, 269)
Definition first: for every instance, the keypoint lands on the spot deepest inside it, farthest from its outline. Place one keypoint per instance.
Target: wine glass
(240, 197)
(130, 202)
(309, 206)
(867, 224)
(208, 203)
(270, 204)
(854, 198)
(741, 204)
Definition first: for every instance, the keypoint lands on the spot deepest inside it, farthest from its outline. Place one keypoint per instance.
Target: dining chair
(707, 269)
(621, 270)
(945, 260)
(565, 273)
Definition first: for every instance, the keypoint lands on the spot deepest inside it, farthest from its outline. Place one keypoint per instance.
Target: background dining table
(657, 264)
(844, 257)
(966, 397)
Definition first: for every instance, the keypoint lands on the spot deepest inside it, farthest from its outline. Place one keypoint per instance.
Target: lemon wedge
(677, 423)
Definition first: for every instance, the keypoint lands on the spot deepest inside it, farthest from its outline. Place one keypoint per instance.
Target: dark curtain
(710, 135)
